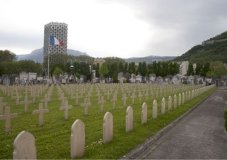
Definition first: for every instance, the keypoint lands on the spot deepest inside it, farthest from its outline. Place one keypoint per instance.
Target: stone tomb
(107, 127)
(77, 139)
(144, 113)
(24, 146)
(40, 112)
(129, 119)
(7, 117)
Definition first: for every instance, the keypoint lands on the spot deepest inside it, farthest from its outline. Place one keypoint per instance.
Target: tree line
(9, 65)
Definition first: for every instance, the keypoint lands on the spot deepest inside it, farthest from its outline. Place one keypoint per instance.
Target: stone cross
(7, 117)
(77, 98)
(77, 139)
(107, 127)
(102, 101)
(129, 119)
(146, 94)
(40, 112)
(140, 96)
(163, 107)
(24, 146)
(155, 110)
(175, 101)
(26, 103)
(65, 107)
(17, 100)
(133, 97)
(86, 104)
(114, 99)
(46, 101)
(169, 103)
(144, 113)
(124, 98)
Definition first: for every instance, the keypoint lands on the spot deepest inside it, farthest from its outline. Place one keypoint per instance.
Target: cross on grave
(40, 112)
(26, 103)
(7, 116)
(86, 104)
(124, 99)
(17, 100)
(133, 97)
(102, 101)
(66, 107)
(114, 99)
(140, 96)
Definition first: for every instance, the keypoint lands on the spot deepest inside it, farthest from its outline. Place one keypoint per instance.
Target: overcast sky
(123, 28)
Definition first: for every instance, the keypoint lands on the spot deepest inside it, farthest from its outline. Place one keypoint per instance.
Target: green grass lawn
(53, 138)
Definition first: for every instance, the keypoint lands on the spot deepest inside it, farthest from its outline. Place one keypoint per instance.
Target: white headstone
(129, 119)
(163, 108)
(175, 101)
(179, 99)
(107, 127)
(155, 110)
(77, 139)
(144, 113)
(183, 98)
(169, 103)
(24, 146)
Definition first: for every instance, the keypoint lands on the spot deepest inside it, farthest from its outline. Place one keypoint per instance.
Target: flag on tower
(53, 40)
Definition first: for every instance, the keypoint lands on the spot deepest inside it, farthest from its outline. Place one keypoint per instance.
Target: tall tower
(55, 44)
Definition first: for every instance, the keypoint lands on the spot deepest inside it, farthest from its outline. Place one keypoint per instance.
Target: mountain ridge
(212, 49)
(37, 55)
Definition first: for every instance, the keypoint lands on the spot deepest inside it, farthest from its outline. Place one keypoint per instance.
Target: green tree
(190, 69)
(104, 70)
(217, 69)
(7, 56)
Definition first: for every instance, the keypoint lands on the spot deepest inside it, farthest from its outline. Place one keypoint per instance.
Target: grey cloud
(194, 20)
(23, 40)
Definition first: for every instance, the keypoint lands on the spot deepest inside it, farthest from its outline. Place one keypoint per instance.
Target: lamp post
(71, 69)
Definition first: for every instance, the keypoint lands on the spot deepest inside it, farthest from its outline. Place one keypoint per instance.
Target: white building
(26, 77)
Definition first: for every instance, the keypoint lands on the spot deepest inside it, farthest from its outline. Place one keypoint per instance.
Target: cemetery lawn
(53, 138)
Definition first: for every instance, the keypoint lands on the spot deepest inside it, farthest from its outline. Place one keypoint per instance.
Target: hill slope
(213, 49)
(37, 55)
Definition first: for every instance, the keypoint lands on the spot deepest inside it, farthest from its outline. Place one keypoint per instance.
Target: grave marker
(144, 113)
(77, 139)
(155, 110)
(24, 146)
(163, 108)
(40, 112)
(107, 127)
(7, 117)
(129, 119)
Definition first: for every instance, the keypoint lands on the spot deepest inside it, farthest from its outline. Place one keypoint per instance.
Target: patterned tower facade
(55, 44)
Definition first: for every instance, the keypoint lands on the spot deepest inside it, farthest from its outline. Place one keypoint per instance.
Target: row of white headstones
(24, 143)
